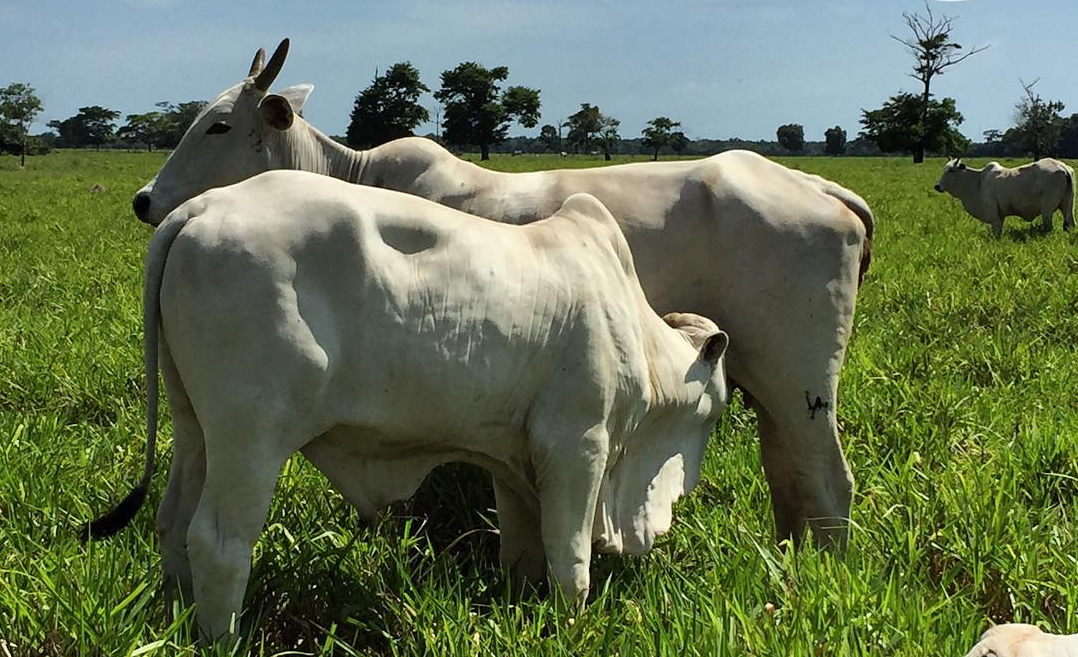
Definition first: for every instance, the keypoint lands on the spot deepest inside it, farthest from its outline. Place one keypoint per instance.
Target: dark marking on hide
(255, 139)
(814, 406)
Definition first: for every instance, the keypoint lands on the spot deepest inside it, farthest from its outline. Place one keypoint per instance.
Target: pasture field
(958, 405)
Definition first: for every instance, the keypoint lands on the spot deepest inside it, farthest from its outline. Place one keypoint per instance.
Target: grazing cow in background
(772, 254)
(1020, 640)
(996, 191)
(382, 335)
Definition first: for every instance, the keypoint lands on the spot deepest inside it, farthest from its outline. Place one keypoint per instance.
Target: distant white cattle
(774, 255)
(383, 335)
(996, 191)
(1019, 640)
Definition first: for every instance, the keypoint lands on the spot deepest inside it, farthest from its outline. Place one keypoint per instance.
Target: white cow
(774, 255)
(996, 191)
(1020, 640)
(383, 335)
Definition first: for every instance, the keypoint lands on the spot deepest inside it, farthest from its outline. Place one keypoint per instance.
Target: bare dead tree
(933, 52)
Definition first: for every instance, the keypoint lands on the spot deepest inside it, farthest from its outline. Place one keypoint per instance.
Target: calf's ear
(714, 347)
(277, 112)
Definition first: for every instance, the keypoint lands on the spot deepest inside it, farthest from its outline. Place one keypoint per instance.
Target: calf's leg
(521, 546)
(569, 473)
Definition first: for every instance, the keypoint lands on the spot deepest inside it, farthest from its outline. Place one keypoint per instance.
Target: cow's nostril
(141, 205)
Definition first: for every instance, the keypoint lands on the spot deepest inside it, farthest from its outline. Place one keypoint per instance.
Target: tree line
(477, 110)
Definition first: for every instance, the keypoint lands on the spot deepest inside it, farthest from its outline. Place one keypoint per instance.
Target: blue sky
(724, 68)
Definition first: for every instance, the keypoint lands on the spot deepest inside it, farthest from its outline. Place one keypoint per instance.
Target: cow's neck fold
(306, 149)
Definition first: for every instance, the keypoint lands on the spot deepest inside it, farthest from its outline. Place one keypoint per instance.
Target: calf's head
(232, 139)
(706, 378)
(950, 173)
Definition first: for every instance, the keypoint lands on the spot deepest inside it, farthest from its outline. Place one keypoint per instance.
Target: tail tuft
(116, 519)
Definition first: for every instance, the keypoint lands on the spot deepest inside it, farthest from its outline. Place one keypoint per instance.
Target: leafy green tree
(902, 126)
(791, 137)
(608, 135)
(151, 129)
(548, 136)
(388, 109)
(477, 112)
(660, 133)
(834, 141)
(1068, 137)
(933, 52)
(19, 106)
(92, 126)
(1038, 123)
(584, 127)
(178, 118)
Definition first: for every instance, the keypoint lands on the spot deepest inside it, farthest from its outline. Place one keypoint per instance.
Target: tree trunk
(22, 160)
(484, 152)
(606, 156)
(655, 155)
(919, 152)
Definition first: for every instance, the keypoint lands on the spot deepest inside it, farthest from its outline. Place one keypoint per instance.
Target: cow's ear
(297, 96)
(277, 112)
(714, 347)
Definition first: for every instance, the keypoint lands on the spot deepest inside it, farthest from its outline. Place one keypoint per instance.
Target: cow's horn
(276, 61)
(258, 63)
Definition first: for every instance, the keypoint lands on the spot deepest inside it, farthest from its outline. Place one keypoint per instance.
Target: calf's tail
(122, 514)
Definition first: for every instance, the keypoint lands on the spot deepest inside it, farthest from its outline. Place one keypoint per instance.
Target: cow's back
(1028, 190)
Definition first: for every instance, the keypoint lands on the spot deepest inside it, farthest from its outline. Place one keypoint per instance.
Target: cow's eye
(218, 128)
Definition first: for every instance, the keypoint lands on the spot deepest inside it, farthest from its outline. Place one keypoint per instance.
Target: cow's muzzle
(938, 187)
(141, 205)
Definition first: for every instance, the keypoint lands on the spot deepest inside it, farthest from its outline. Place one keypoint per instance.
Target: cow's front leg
(240, 478)
(521, 546)
(569, 474)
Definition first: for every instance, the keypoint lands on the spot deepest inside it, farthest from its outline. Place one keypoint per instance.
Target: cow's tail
(1068, 210)
(859, 207)
(122, 514)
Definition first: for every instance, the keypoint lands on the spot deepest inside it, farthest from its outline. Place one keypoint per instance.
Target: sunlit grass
(959, 408)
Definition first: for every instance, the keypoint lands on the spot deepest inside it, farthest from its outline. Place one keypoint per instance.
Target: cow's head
(228, 142)
(950, 171)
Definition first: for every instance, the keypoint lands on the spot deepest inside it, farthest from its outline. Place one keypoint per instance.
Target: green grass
(958, 406)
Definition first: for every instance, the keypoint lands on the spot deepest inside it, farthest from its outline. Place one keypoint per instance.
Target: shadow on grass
(442, 540)
(1028, 232)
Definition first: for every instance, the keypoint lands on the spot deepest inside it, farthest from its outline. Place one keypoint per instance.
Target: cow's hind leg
(240, 479)
(185, 483)
(569, 481)
(811, 484)
(798, 344)
(1046, 218)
